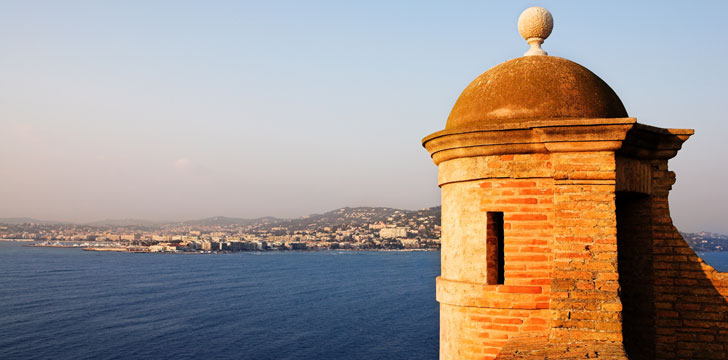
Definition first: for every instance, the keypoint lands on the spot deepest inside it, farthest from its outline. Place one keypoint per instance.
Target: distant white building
(391, 233)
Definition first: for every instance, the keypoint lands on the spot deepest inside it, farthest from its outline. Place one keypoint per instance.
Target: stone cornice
(622, 135)
(649, 142)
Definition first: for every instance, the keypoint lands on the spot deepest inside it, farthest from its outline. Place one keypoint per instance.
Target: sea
(58, 303)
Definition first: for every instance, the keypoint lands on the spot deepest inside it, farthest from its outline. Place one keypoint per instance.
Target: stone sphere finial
(535, 25)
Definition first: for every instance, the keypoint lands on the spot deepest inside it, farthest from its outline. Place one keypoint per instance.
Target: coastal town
(362, 228)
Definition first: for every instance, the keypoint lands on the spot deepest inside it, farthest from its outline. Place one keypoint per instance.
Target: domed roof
(534, 88)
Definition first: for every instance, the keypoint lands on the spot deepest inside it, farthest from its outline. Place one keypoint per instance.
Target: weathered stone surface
(593, 266)
(675, 305)
(587, 264)
(535, 87)
(535, 22)
(538, 348)
(535, 25)
(622, 135)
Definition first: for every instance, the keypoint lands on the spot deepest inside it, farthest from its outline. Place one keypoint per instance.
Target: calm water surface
(719, 260)
(73, 304)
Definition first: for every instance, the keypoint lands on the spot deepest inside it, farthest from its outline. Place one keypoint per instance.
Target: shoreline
(141, 251)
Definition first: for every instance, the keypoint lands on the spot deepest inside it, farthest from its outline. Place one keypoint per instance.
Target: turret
(556, 234)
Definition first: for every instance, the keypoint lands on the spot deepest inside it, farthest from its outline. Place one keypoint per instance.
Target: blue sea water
(72, 304)
(718, 260)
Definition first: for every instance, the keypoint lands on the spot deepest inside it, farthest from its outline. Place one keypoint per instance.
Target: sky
(172, 110)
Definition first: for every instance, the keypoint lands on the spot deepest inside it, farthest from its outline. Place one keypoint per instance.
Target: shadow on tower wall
(674, 305)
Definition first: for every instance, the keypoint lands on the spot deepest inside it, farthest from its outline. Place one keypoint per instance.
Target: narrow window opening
(495, 248)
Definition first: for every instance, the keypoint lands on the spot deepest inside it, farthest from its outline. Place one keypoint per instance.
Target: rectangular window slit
(495, 248)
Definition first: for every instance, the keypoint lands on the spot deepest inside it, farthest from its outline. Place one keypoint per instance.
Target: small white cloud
(182, 163)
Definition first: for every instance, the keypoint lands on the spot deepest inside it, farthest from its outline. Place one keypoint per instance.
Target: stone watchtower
(557, 240)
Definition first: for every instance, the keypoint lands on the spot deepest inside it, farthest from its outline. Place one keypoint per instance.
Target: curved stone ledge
(468, 294)
(494, 167)
(623, 135)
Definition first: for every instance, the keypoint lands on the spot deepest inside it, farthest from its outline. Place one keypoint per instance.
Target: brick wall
(478, 319)
(585, 298)
(481, 333)
(592, 262)
(690, 296)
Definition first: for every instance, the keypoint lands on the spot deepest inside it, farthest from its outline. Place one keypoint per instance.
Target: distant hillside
(706, 241)
(124, 222)
(349, 216)
(25, 220)
(225, 221)
(342, 216)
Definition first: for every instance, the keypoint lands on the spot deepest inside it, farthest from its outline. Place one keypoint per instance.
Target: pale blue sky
(187, 109)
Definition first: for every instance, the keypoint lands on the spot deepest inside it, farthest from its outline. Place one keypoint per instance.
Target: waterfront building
(557, 240)
(206, 245)
(297, 246)
(410, 243)
(157, 248)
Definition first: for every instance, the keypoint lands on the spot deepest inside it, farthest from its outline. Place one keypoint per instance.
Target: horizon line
(167, 221)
